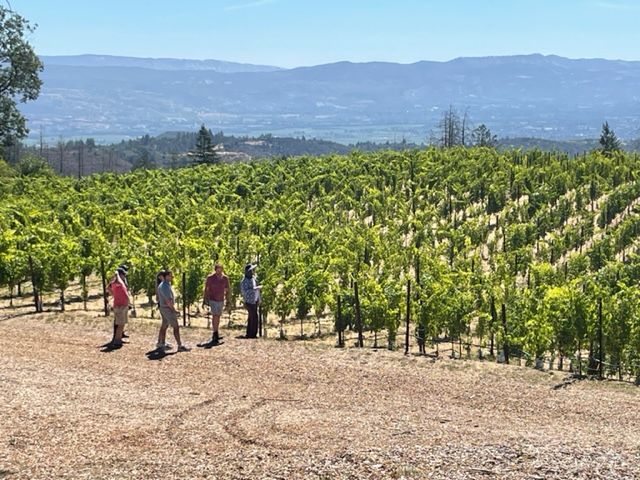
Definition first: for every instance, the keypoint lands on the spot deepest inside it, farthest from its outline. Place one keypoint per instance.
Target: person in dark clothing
(250, 291)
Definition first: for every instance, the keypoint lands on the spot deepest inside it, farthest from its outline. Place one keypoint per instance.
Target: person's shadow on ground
(158, 354)
(209, 345)
(110, 347)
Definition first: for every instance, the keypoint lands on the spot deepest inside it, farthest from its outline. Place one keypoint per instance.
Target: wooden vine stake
(358, 315)
(184, 299)
(103, 276)
(600, 352)
(408, 319)
(506, 338)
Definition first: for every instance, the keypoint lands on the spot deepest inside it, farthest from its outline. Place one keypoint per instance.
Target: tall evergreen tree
(609, 142)
(204, 152)
(482, 137)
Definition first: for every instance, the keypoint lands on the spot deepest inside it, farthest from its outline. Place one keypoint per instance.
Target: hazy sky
(307, 32)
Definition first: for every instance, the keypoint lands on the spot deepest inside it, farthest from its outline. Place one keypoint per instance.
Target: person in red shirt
(118, 290)
(125, 272)
(216, 294)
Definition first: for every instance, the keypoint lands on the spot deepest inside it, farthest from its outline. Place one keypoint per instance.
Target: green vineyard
(519, 254)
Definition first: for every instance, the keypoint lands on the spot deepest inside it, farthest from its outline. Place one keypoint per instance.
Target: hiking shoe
(184, 348)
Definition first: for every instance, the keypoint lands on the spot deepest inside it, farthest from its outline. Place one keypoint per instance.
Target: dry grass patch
(268, 409)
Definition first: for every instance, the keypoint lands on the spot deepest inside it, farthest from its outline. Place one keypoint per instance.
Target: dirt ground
(289, 410)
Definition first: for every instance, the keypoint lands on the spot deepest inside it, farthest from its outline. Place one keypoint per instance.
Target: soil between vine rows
(269, 409)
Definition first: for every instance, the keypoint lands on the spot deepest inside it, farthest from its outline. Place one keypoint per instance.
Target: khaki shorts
(121, 314)
(169, 318)
(216, 307)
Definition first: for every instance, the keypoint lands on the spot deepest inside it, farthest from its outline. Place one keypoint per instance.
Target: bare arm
(205, 297)
(169, 303)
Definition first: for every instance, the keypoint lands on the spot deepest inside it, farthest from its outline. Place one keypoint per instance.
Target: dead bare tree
(465, 126)
(61, 148)
(451, 129)
(80, 159)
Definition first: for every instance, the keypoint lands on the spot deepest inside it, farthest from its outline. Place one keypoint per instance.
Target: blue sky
(292, 33)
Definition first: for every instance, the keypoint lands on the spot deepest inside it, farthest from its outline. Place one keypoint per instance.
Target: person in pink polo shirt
(118, 290)
(216, 293)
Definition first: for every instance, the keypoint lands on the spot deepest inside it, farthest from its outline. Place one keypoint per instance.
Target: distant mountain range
(154, 63)
(516, 96)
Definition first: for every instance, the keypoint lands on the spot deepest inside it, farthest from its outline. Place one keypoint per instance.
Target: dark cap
(249, 267)
(123, 268)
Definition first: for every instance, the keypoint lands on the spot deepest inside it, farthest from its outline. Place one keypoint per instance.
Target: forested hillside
(171, 149)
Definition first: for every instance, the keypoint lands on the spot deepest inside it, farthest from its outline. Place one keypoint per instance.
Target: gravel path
(269, 409)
